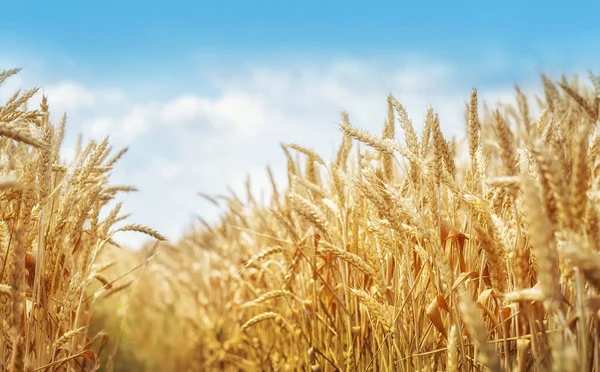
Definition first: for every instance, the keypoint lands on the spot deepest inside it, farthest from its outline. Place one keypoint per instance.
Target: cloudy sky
(203, 92)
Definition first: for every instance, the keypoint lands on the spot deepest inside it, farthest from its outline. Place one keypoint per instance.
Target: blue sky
(203, 92)
(147, 35)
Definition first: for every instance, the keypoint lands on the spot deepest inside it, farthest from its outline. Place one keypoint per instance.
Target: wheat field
(408, 251)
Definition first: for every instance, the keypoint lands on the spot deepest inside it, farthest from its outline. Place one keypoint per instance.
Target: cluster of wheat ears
(395, 255)
(51, 236)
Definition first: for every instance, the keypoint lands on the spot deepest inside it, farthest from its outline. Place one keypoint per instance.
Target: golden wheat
(398, 257)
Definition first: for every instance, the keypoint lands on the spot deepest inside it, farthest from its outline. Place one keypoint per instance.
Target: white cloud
(125, 128)
(101, 126)
(238, 111)
(243, 112)
(184, 109)
(137, 120)
(112, 95)
(70, 94)
(180, 145)
(168, 169)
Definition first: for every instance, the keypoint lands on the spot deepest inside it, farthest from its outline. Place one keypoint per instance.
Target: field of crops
(408, 251)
